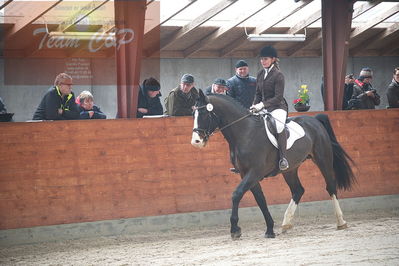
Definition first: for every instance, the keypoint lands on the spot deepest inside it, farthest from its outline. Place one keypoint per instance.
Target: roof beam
(207, 15)
(5, 4)
(357, 12)
(223, 30)
(264, 26)
(309, 40)
(38, 9)
(305, 22)
(392, 11)
(375, 38)
(389, 48)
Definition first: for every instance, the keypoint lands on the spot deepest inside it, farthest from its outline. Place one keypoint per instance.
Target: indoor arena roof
(199, 28)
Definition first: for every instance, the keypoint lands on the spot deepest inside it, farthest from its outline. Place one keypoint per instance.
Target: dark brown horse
(256, 158)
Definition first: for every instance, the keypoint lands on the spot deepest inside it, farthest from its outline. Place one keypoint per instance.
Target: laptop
(6, 117)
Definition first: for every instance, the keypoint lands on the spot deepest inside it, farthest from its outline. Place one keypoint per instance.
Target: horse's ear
(202, 96)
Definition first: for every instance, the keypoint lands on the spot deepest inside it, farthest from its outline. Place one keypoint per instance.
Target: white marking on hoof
(341, 227)
(286, 227)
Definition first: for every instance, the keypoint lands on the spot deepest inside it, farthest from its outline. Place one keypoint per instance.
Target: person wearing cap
(181, 100)
(393, 90)
(59, 101)
(149, 102)
(269, 97)
(242, 86)
(219, 86)
(364, 95)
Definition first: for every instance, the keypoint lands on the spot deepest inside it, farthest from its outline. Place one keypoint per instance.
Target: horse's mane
(232, 101)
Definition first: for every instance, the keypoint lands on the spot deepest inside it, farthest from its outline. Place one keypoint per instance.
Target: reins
(206, 132)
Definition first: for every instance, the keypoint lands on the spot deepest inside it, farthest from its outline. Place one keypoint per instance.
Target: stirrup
(234, 170)
(283, 164)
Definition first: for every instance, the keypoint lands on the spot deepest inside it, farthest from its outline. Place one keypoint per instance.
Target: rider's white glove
(257, 107)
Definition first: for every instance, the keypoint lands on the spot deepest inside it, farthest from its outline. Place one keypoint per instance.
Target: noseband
(206, 133)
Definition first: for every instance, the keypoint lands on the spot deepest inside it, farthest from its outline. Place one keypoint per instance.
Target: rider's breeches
(280, 116)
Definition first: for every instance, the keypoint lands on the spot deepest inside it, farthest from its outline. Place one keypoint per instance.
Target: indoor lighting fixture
(84, 36)
(276, 37)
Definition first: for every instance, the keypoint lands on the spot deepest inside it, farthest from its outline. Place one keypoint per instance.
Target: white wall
(23, 100)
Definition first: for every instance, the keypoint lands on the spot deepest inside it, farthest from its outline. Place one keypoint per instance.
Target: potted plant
(301, 104)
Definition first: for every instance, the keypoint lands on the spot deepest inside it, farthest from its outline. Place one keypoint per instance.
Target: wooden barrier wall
(80, 171)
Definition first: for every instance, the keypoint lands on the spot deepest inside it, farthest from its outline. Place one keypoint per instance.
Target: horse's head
(205, 121)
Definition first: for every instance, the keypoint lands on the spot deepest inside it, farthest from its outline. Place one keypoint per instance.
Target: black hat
(187, 78)
(151, 84)
(268, 51)
(241, 63)
(220, 81)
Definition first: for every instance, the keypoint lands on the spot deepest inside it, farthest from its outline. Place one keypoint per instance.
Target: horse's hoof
(270, 235)
(341, 227)
(286, 227)
(236, 235)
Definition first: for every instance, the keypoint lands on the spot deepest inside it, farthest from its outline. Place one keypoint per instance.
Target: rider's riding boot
(282, 145)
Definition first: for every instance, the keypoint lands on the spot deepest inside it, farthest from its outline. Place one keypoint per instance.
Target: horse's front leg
(246, 183)
(261, 200)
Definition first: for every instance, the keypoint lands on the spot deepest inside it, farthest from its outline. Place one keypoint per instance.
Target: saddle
(293, 129)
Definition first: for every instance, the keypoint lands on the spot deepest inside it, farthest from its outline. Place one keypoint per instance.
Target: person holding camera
(364, 95)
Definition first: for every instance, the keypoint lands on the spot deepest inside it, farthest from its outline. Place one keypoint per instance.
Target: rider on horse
(269, 97)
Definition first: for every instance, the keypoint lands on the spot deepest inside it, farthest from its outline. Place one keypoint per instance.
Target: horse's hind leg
(297, 191)
(325, 164)
(261, 200)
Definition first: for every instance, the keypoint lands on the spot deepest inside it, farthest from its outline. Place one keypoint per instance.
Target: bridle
(206, 133)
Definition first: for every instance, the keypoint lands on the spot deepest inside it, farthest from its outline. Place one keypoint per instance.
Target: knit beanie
(241, 63)
(365, 73)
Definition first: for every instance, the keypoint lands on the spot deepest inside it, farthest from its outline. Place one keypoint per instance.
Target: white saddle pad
(296, 132)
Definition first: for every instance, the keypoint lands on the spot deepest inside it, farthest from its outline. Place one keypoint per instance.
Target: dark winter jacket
(179, 103)
(270, 91)
(98, 114)
(359, 96)
(242, 89)
(153, 105)
(52, 101)
(393, 94)
(348, 91)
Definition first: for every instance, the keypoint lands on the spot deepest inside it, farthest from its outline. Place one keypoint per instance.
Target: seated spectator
(348, 91)
(242, 86)
(149, 102)
(393, 90)
(59, 101)
(87, 109)
(181, 99)
(364, 95)
(219, 86)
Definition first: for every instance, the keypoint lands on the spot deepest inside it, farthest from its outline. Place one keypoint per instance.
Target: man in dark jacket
(242, 86)
(364, 95)
(149, 102)
(393, 90)
(59, 101)
(181, 100)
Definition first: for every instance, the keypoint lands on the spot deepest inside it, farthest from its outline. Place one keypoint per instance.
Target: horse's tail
(341, 160)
